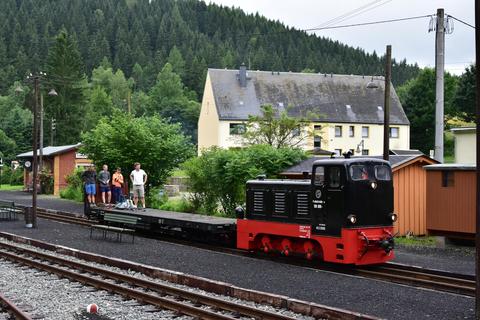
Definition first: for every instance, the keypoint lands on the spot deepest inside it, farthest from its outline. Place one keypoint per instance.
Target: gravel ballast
(139, 275)
(357, 294)
(65, 299)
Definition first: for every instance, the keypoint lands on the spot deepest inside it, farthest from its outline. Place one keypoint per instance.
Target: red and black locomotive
(344, 214)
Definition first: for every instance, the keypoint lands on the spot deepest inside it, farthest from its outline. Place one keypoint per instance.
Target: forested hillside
(137, 36)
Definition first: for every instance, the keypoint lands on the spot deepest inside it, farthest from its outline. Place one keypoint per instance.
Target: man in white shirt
(138, 178)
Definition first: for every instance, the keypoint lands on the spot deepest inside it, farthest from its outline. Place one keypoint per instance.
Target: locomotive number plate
(305, 231)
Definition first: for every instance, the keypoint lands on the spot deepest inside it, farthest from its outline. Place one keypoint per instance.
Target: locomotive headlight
(352, 218)
(393, 216)
(373, 185)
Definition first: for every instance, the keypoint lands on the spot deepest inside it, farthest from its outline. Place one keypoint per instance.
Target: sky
(409, 39)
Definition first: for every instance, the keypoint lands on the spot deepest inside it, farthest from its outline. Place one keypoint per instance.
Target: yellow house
(350, 113)
(465, 144)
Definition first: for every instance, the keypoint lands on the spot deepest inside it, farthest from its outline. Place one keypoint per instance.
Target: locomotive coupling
(387, 244)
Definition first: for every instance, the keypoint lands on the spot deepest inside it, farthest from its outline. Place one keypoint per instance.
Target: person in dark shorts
(89, 177)
(117, 183)
(104, 180)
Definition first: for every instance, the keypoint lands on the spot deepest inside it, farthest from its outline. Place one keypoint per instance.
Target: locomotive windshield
(359, 172)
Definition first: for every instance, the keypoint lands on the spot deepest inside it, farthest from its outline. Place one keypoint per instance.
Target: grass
(415, 241)
(7, 187)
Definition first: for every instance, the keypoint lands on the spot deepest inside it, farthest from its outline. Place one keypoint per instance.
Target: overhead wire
(461, 21)
(344, 15)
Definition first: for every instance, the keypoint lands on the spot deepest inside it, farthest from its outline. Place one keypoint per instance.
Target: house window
(296, 132)
(365, 152)
(338, 152)
(448, 179)
(338, 131)
(365, 132)
(352, 151)
(317, 142)
(237, 128)
(394, 132)
(317, 127)
(351, 131)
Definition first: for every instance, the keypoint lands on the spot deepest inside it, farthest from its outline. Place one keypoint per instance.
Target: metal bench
(8, 211)
(118, 219)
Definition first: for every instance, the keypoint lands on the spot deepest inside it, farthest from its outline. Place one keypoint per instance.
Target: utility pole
(36, 85)
(477, 91)
(386, 107)
(439, 71)
(41, 133)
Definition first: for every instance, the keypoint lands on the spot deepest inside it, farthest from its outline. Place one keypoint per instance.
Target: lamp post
(31, 221)
(386, 103)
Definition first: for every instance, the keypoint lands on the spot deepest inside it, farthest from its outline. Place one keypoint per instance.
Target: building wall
(465, 147)
(208, 122)
(451, 210)
(373, 143)
(409, 183)
(64, 164)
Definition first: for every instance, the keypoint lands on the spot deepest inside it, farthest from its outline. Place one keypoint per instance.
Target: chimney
(242, 75)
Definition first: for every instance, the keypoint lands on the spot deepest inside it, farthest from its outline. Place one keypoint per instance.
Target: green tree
(122, 140)
(230, 169)
(177, 62)
(99, 105)
(465, 95)
(170, 99)
(7, 147)
(65, 73)
(276, 128)
(418, 100)
(114, 83)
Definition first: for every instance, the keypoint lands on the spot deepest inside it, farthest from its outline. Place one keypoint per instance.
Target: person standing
(139, 179)
(117, 182)
(89, 177)
(104, 179)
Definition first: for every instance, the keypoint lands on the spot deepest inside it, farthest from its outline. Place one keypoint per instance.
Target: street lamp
(35, 79)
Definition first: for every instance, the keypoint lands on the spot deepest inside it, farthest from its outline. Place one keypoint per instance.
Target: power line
(360, 12)
(368, 23)
(461, 21)
(351, 12)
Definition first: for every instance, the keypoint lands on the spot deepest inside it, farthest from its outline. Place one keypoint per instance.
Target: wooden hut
(451, 201)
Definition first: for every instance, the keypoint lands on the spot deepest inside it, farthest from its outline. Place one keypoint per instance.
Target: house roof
(399, 152)
(334, 98)
(396, 161)
(50, 151)
(451, 166)
(464, 130)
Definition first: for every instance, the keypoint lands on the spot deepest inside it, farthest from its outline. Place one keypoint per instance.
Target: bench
(8, 211)
(111, 218)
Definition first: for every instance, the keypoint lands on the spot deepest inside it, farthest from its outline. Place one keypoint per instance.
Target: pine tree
(65, 73)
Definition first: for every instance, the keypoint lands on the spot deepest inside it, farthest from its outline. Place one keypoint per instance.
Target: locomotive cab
(350, 193)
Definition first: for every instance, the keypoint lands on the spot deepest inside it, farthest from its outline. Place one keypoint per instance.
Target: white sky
(409, 39)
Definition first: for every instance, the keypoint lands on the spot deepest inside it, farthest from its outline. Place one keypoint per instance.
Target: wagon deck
(150, 219)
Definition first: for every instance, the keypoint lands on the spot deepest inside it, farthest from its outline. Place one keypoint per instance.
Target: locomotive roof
(279, 181)
(347, 161)
(334, 98)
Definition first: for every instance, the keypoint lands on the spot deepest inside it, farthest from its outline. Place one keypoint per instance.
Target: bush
(229, 170)
(178, 205)
(11, 177)
(156, 198)
(74, 190)
(46, 182)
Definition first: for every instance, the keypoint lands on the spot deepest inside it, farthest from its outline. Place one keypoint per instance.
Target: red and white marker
(92, 308)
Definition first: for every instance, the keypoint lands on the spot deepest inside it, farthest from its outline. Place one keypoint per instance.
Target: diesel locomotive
(343, 214)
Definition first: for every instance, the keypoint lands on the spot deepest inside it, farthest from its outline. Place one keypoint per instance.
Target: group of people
(114, 183)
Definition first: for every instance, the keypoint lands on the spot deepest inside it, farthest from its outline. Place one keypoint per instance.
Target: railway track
(421, 277)
(160, 295)
(392, 272)
(13, 309)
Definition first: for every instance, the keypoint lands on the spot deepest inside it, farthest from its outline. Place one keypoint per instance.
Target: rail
(11, 308)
